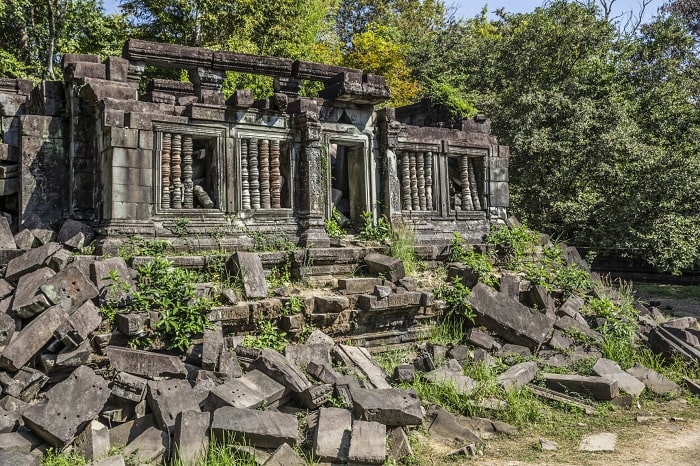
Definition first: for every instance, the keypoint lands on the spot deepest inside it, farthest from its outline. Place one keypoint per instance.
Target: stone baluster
(254, 174)
(472, 182)
(405, 183)
(420, 172)
(176, 172)
(414, 181)
(265, 174)
(466, 191)
(245, 188)
(188, 197)
(165, 170)
(429, 180)
(275, 177)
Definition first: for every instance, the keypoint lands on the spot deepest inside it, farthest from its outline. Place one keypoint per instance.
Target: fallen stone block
(25, 385)
(80, 325)
(611, 370)
(462, 384)
(330, 304)
(510, 350)
(126, 432)
(358, 285)
(367, 443)
(190, 441)
(30, 261)
(560, 341)
(7, 241)
(6, 288)
(276, 366)
(75, 234)
(93, 442)
(518, 376)
(145, 363)
(599, 442)
(443, 427)
(67, 407)
(284, 456)
(302, 355)
(599, 388)
(322, 372)
(24, 239)
(541, 299)
(28, 301)
(404, 373)
(391, 407)
(9, 421)
(508, 318)
(132, 324)
(212, 346)
(355, 356)
(249, 266)
(655, 382)
(252, 390)
(315, 396)
(14, 458)
(32, 338)
(60, 260)
(168, 398)
(150, 446)
(39, 229)
(265, 429)
(67, 359)
(390, 267)
(479, 338)
(565, 323)
(7, 329)
(69, 289)
(466, 275)
(129, 387)
(229, 366)
(399, 445)
(332, 435)
(485, 427)
(571, 306)
(13, 441)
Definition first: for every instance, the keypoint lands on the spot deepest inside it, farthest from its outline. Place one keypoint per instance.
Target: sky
(470, 8)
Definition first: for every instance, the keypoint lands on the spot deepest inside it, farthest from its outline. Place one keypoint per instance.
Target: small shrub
(294, 305)
(372, 232)
(267, 335)
(479, 263)
(334, 225)
(136, 246)
(514, 244)
(456, 296)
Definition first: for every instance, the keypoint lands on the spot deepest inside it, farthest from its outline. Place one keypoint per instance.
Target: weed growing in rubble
(136, 246)
(267, 335)
(334, 225)
(402, 247)
(54, 457)
(479, 263)
(371, 231)
(456, 296)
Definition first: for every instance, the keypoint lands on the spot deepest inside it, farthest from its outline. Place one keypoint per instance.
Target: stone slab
(212, 346)
(445, 428)
(69, 289)
(149, 447)
(264, 429)
(145, 363)
(284, 456)
(611, 370)
(32, 338)
(279, 368)
(30, 261)
(367, 443)
(129, 387)
(462, 384)
(75, 234)
(599, 442)
(249, 266)
(80, 325)
(93, 442)
(390, 267)
(391, 407)
(332, 435)
(508, 318)
(190, 440)
(252, 390)
(599, 388)
(518, 375)
(7, 240)
(28, 301)
(168, 398)
(67, 407)
(15, 458)
(655, 382)
(360, 358)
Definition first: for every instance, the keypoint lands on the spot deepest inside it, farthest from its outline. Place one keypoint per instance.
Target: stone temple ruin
(98, 149)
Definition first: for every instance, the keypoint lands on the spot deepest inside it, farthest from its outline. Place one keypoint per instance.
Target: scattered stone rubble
(70, 381)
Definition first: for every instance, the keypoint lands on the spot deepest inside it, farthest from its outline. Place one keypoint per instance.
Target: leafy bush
(456, 296)
(170, 291)
(334, 225)
(267, 335)
(514, 245)
(136, 246)
(479, 263)
(372, 232)
(294, 305)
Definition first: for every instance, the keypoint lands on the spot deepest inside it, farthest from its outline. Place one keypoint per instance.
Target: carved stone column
(313, 184)
(275, 181)
(176, 172)
(265, 174)
(429, 180)
(188, 196)
(165, 171)
(254, 174)
(466, 191)
(245, 186)
(393, 190)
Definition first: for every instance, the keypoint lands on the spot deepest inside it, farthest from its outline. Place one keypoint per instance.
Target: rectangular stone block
(30, 261)
(249, 266)
(28, 301)
(168, 398)
(358, 285)
(190, 440)
(597, 387)
(252, 390)
(367, 443)
(206, 112)
(80, 324)
(263, 429)
(256, 64)
(391, 406)
(390, 267)
(32, 338)
(123, 137)
(69, 289)
(508, 318)
(129, 387)
(117, 68)
(67, 407)
(332, 435)
(145, 363)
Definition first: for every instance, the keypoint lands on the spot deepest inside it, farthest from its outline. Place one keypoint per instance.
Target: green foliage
(458, 104)
(267, 335)
(293, 305)
(54, 457)
(456, 296)
(267, 242)
(479, 263)
(514, 245)
(306, 332)
(136, 246)
(371, 231)
(402, 247)
(334, 225)
(170, 291)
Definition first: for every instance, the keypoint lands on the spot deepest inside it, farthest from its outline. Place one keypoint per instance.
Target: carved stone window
(417, 177)
(189, 169)
(265, 173)
(465, 183)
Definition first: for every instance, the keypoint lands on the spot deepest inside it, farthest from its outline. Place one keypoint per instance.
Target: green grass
(669, 291)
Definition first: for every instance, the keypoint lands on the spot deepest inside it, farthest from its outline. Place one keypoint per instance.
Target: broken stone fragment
(391, 407)
(284, 456)
(75, 235)
(168, 398)
(367, 443)
(30, 261)
(24, 239)
(113, 280)
(150, 447)
(93, 442)
(69, 289)
(611, 370)
(32, 338)
(28, 301)
(302, 355)
(7, 241)
(264, 429)
(132, 324)
(145, 363)
(358, 357)
(250, 391)
(279, 368)
(599, 388)
(332, 435)
(43, 233)
(66, 359)
(129, 387)
(190, 440)
(213, 345)
(599, 442)
(390, 267)
(518, 376)
(446, 428)
(25, 385)
(462, 384)
(655, 382)
(249, 266)
(80, 324)
(67, 407)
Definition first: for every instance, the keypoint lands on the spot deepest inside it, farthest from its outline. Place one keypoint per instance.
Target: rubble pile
(69, 381)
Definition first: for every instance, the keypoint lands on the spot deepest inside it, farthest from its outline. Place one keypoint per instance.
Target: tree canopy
(601, 111)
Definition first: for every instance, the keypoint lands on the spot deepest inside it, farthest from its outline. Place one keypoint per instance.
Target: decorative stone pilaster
(313, 184)
(392, 188)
